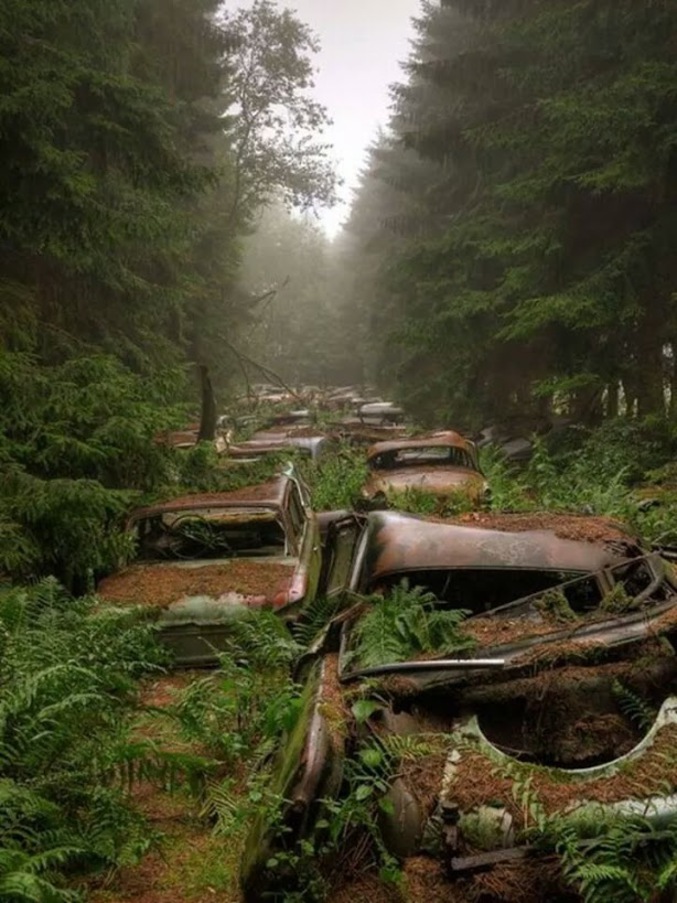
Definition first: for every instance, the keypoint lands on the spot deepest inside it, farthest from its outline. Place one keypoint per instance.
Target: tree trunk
(649, 343)
(208, 412)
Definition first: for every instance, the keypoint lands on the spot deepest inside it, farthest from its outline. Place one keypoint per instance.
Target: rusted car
(265, 444)
(376, 412)
(443, 465)
(204, 559)
(530, 716)
(471, 567)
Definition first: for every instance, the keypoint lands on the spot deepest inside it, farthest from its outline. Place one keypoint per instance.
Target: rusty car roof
(442, 440)
(270, 494)
(401, 542)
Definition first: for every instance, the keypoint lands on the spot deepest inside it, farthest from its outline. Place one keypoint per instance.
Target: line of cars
(565, 621)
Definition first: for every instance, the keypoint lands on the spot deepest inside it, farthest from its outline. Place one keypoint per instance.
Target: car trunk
(195, 601)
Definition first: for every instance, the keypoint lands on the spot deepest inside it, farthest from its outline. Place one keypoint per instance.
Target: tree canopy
(521, 257)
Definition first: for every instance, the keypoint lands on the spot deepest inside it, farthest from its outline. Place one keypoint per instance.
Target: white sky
(363, 42)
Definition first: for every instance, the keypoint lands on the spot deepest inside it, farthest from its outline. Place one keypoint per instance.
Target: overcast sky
(362, 43)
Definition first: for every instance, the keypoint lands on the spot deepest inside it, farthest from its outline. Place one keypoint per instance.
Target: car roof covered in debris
(270, 494)
(398, 543)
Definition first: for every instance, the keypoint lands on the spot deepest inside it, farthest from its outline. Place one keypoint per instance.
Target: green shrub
(336, 482)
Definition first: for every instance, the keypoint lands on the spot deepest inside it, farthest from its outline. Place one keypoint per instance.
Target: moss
(617, 601)
(554, 604)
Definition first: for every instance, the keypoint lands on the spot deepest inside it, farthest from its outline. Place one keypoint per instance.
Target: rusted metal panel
(403, 465)
(198, 585)
(398, 543)
(434, 479)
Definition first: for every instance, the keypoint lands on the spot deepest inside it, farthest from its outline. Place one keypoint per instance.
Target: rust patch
(160, 585)
(448, 439)
(402, 542)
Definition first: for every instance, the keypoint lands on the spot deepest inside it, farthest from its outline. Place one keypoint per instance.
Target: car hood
(202, 591)
(437, 480)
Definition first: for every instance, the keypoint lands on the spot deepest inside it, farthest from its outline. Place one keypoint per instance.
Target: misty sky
(362, 43)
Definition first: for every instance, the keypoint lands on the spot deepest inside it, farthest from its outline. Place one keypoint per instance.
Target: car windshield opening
(210, 534)
(476, 590)
(433, 456)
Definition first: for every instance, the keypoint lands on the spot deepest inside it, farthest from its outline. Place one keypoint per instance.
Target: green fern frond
(315, 617)
(405, 623)
(633, 706)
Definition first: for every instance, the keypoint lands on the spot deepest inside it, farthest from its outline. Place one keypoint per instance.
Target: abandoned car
(482, 728)
(265, 444)
(376, 412)
(470, 567)
(204, 559)
(442, 465)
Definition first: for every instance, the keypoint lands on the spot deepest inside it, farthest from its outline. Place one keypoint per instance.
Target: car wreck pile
(500, 689)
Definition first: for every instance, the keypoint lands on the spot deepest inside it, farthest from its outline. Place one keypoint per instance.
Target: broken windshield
(460, 611)
(210, 534)
(476, 590)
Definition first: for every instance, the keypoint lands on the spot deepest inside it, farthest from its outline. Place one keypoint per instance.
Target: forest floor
(188, 862)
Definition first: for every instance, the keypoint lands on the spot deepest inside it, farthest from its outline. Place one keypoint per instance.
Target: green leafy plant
(67, 687)
(633, 706)
(403, 624)
(554, 603)
(337, 480)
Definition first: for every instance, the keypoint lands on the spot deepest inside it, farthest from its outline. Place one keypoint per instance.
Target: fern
(633, 706)
(261, 638)
(65, 689)
(613, 857)
(403, 624)
(315, 617)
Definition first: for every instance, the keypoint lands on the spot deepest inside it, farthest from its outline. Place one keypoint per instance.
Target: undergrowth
(336, 480)
(67, 683)
(602, 475)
